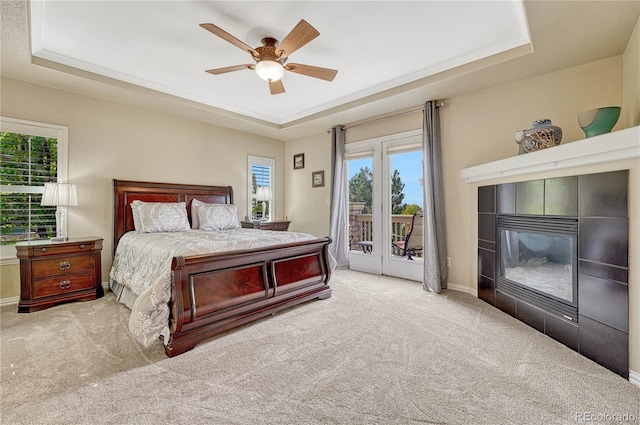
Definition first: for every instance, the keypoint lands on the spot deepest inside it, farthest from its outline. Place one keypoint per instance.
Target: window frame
(268, 162)
(33, 128)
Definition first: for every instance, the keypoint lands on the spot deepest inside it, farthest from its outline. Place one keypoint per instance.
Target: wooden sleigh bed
(213, 293)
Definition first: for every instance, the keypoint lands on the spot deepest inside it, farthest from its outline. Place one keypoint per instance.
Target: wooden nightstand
(266, 225)
(57, 272)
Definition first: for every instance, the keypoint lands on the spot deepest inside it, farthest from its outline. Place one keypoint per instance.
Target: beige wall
(108, 140)
(479, 127)
(631, 85)
(308, 207)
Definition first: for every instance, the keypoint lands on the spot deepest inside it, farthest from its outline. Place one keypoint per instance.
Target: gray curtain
(338, 221)
(435, 243)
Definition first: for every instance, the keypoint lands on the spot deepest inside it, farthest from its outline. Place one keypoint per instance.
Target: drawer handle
(64, 265)
(43, 249)
(82, 246)
(65, 284)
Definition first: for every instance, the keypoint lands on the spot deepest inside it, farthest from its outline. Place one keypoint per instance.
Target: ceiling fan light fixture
(269, 70)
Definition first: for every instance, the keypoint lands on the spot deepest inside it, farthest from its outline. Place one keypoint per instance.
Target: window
(32, 154)
(261, 188)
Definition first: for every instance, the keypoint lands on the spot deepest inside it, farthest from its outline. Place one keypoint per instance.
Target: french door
(384, 178)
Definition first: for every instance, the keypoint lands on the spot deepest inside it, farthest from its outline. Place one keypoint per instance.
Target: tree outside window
(27, 162)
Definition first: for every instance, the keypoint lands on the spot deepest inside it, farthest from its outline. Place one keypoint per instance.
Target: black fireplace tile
(561, 196)
(487, 227)
(605, 345)
(604, 271)
(491, 246)
(562, 330)
(487, 263)
(604, 301)
(530, 197)
(605, 240)
(506, 303)
(530, 315)
(487, 199)
(604, 194)
(506, 198)
(486, 289)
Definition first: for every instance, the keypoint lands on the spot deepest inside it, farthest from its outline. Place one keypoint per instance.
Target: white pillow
(135, 213)
(218, 217)
(160, 216)
(195, 220)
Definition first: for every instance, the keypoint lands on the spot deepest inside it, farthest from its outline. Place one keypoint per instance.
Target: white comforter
(141, 269)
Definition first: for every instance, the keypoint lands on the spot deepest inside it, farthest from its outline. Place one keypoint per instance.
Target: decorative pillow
(218, 217)
(160, 216)
(135, 213)
(195, 220)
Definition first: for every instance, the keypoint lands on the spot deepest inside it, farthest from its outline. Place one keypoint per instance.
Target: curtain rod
(385, 117)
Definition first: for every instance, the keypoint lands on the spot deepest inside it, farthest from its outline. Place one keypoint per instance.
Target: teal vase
(598, 121)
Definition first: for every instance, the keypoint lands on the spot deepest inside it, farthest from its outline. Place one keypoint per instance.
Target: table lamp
(263, 194)
(59, 195)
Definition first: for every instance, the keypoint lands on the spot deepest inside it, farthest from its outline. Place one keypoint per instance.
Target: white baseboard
(463, 288)
(634, 378)
(9, 301)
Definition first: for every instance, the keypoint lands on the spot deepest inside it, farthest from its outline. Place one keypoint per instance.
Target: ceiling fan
(271, 57)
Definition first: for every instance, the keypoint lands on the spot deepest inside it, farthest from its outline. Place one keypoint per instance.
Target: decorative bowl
(542, 135)
(598, 121)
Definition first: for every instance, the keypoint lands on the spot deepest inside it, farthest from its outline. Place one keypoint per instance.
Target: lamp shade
(59, 194)
(263, 194)
(269, 70)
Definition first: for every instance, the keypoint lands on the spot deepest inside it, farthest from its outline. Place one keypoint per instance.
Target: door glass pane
(406, 205)
(360, 200)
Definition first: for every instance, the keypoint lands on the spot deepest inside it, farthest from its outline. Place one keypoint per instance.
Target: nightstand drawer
(266, 225)
(62, 285)
(67, 264)
(278, 226)
(67, 248)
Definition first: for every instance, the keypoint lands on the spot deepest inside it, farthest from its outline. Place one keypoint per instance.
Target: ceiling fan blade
(312, 71)
(219, 71)
(228, 37)
(276, 87)
(300, 35)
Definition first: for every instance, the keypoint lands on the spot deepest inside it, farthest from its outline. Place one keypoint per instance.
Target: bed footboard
(214, 293)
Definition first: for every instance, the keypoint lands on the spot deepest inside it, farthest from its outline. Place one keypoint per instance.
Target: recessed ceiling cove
(376, 46)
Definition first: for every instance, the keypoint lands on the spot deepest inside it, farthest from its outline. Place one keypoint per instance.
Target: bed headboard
(125, 192)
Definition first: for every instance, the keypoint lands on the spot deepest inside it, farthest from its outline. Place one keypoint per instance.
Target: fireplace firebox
(538, 262)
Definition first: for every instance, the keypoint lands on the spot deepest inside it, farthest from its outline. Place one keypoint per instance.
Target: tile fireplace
(553, 253)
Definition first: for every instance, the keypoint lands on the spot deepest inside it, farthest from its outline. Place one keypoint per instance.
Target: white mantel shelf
(619, 145)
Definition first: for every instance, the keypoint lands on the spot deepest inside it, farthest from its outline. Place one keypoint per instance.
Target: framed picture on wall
(317, 179)
(298, 161)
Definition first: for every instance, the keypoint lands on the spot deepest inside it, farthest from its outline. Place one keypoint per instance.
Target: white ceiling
(391, 55)
(374, 46)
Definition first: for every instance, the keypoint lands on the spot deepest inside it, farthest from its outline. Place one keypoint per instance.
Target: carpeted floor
(379, 351)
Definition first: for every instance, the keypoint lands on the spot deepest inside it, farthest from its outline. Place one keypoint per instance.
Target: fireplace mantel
(618, 145)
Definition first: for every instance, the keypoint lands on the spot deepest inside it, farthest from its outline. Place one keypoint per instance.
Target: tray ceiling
(376, 46)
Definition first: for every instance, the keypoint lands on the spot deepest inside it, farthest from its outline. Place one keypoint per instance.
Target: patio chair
(412, 243)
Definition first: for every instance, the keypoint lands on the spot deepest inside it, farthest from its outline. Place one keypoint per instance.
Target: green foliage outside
(26, 161)
(410, 209)
(396, 193)
(360, 190)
